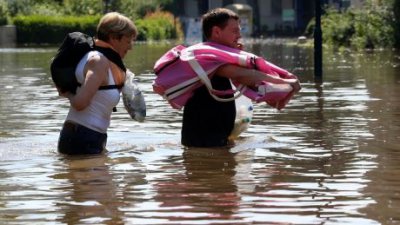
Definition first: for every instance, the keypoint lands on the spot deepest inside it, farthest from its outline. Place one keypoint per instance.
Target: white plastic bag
(244, 114)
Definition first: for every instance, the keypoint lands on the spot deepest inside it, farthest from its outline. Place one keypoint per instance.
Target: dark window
(276, 7)
(227, 2)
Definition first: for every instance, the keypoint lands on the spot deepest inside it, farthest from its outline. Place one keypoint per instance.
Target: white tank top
(97, 114)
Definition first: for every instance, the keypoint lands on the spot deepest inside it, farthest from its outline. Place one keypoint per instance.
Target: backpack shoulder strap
(112, 86)
(114, 57)
(111, 55)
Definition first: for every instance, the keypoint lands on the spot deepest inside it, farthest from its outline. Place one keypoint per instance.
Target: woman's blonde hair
(115, 25)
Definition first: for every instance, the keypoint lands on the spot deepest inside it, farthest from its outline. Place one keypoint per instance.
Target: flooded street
(330, 157)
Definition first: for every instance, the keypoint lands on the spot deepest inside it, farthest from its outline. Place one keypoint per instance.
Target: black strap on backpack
(71, 51)
(111, 55)
(114, 57)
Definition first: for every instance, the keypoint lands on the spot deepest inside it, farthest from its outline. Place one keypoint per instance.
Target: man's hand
(296, 86)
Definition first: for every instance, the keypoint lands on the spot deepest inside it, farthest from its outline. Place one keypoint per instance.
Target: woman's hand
(66, 94)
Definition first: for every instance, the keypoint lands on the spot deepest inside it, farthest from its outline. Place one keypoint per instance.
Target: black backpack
(71, 51)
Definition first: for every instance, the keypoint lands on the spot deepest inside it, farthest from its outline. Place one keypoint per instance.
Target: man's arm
(251, 77)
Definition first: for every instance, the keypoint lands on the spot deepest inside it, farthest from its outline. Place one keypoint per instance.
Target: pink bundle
(181, 70)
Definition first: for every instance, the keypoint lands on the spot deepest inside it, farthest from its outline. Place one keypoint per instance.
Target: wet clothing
(76, 139)
(206, 121)
(85, 131)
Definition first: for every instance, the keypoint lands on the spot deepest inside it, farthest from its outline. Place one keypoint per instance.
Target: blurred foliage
(373, 26)
(39, 29)
(31, 7)
(159, 25)
(396, 10)
(3, 12)
(83, 7)
(131, 8)
(48, 21)
(139, 8)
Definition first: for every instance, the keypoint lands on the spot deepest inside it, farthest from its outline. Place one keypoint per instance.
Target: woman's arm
(95, 75)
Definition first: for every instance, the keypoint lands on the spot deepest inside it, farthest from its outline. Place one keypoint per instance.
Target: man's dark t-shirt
(206, 121)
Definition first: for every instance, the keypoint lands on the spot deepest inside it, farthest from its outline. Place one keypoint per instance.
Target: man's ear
(215, 31)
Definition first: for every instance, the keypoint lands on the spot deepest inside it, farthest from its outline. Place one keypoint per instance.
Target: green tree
(374, 26)
(3, 12)
(138, 8)
(396, 10)
(83, 7)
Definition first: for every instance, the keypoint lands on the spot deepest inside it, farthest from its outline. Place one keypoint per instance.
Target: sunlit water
(331, 157)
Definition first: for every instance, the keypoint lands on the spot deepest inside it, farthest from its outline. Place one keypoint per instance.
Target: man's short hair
(216, 17)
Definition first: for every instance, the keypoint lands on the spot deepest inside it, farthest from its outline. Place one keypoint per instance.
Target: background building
(268, 17)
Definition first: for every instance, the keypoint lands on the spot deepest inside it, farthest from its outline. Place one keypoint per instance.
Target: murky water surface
(331, 157)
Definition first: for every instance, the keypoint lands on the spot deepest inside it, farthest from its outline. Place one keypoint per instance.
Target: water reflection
(92, 197)
(98, 188)
(331, 157)
(207, 184)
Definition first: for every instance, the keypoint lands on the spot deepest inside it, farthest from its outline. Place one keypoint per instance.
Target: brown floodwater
(330, 157)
